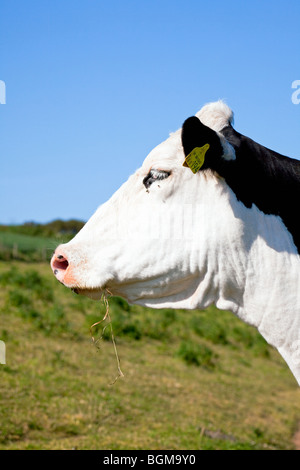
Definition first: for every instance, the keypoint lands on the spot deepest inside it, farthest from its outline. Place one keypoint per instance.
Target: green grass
(25, 247)
(193, 379)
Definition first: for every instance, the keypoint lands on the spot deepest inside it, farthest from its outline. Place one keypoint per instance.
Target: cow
(209, 218)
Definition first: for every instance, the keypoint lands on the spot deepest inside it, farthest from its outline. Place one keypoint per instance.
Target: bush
(251, 339)
(12, 277)
(211, 331)
(31, 297)
(31, 282)
(210, 326)
(196, 354)
(122, 325)
(53, 320)
(18, 299)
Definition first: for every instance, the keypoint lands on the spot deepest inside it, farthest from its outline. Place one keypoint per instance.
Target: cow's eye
(155, 175)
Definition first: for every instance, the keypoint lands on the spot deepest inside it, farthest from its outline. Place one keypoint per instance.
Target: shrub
(122, 325)
(196, 354)
(30, 280)
(53, 320)
(209, 326)
(12, 277)
(251, 339)
(19, 299)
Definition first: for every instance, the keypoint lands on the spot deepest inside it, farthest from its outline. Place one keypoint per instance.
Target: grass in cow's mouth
(109, 323)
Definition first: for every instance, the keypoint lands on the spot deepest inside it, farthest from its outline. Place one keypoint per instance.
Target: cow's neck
(263, 177)
(258, 275)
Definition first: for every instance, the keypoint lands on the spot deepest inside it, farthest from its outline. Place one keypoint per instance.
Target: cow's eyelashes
(155, 175)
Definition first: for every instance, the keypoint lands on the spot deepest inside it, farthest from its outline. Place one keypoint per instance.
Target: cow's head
(154, 242)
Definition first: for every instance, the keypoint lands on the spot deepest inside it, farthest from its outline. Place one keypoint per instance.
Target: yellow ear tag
(195, 158)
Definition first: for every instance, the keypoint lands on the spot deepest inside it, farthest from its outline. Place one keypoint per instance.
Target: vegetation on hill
(192, 379)
(55, 229)
(35, 242)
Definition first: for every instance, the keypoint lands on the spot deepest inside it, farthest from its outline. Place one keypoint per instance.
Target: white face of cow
(151, 242)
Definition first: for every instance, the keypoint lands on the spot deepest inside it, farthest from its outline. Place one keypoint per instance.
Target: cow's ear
(201, 145)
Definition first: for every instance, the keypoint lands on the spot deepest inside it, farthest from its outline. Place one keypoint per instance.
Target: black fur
(257, 176)
(196, 134)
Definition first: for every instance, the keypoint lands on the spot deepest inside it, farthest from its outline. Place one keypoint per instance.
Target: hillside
(56, 228)
(192, 379)
(35, 242)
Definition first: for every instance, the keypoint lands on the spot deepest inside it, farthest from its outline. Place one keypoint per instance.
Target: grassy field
(35, 242)
(192, 379)
(25, 247)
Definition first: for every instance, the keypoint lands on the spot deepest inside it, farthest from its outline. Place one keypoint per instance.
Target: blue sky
(92, 86)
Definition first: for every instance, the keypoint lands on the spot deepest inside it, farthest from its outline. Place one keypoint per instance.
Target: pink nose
(59, 265)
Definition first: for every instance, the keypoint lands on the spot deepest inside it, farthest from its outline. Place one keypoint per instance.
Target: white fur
(216, 115)
(187, 243)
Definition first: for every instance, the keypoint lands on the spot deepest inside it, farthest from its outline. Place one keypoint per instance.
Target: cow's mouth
(94, 294)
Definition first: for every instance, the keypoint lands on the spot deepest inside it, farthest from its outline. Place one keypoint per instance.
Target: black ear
(195, 134)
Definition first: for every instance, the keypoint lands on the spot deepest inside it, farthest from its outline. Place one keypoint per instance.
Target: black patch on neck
(263, 177)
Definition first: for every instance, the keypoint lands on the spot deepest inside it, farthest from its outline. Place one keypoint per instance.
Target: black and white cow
(210, 217)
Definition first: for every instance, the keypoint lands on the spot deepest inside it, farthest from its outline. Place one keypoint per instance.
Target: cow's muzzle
(66, 271)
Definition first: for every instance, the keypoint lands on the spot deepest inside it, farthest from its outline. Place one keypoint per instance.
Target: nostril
(60, 263)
